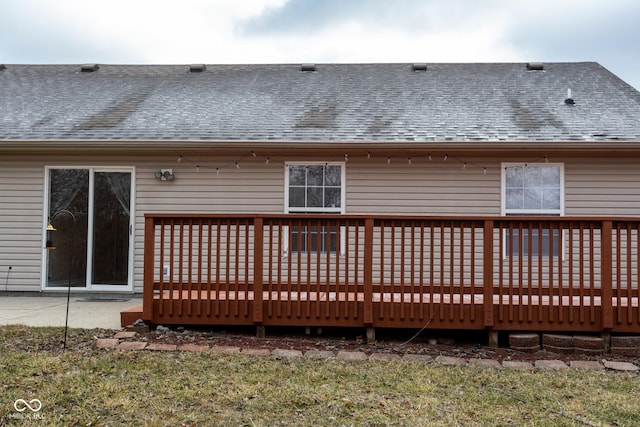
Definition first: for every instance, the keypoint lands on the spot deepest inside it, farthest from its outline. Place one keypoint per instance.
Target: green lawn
(88, 387)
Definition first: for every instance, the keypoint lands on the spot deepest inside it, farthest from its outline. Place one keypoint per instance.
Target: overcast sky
(320, 31)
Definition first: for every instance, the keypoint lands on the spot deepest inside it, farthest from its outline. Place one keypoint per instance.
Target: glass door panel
(69, 199)
(111, 221)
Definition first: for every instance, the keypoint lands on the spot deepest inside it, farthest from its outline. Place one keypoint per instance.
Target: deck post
(368, 272)
(606, 260)
(258, 267)
(487, 270)
(371, 335)
(493, 339)
(148, 272)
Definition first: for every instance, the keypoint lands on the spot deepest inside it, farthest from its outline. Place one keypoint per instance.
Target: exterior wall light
(165, 175)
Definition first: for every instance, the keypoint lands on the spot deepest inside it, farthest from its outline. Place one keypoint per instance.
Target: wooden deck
(563, 274)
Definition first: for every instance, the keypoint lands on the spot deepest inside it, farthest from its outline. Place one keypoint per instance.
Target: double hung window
(314, 188)
(533, 189)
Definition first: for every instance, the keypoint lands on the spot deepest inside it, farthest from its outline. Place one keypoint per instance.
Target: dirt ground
(433, 343)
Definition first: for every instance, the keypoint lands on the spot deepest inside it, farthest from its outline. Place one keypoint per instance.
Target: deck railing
(498, 273)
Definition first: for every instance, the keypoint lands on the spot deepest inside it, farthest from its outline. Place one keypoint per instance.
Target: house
(479, 196)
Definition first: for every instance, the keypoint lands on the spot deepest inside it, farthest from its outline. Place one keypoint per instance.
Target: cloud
(579, 30)
(222, 31)
(312, 16)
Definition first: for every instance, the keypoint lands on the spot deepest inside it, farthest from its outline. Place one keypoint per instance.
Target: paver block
(319, 354)
(161, 347)
(351, 355)
(193, 347)
(585, 342)
(132, 345)
(589, 345)
(590, 365)
(447, 360)
(256, 351)
(385, 357)
(107, 342)
(561, 344)
(485, 363)
(516, 364)
(524, 342)
(625, 341)
(620, 366)
(125, 334)
(225, 349)
(419, 358)
(550, 364)
(286, 354)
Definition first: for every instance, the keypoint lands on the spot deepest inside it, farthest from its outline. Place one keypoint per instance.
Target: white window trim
(45, 220)
(343, 186)
(343, 198)
(542, 212)
(503, 191)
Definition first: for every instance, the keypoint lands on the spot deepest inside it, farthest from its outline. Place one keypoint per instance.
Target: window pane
(513, 242)
(332, 198)
(550, 177)
(297, 175)
(514, 177)
(332, 176)
(515, 198)
(551, 199)
(296, 197)
(314, 175)
(532, 176)
(314, 197)
(532, 198)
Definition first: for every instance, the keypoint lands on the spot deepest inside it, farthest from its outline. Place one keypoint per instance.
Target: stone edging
(119, 342)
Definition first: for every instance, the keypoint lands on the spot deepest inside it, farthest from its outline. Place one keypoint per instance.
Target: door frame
(90, 287)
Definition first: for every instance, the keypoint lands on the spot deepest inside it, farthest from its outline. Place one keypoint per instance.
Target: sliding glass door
(90, 209)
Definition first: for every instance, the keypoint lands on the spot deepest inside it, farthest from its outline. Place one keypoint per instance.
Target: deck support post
(487, 273)
(148, 270)
(258, 266)
(368, 271)
(493, 339)
(261, 331)
(606, 338)
(606, 275)
(371, 335)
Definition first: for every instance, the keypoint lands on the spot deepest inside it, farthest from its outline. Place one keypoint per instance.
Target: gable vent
(535, 66)
(89, 68)
(197, 68)
(308, 67)
(419, 66)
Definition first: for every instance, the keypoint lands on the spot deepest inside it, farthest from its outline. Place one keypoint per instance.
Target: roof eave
(486, 147)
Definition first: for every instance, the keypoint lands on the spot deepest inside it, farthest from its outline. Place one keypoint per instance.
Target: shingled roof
(327, 102)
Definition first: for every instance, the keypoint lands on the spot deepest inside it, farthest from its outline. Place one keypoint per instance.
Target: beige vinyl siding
(592, 187)
(595, 187)
(422, 188)
(21, 199)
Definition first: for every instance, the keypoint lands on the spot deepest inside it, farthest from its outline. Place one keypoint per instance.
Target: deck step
(127, 317)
